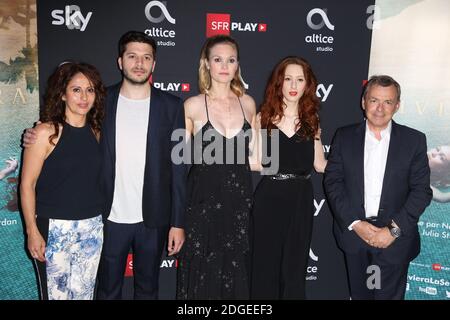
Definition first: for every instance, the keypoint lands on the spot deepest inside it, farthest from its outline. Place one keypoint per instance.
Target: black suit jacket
(405, 194)
(164, 192)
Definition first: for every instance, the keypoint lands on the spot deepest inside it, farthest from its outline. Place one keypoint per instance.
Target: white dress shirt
(375, 157)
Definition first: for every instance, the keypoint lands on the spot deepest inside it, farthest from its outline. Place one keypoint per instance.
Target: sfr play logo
(217, 23)
(220, 23)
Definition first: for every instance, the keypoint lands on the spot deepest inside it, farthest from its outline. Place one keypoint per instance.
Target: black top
(296, 153)
(68, 186)
(233, 150)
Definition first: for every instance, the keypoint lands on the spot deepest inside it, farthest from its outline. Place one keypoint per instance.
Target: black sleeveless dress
(213, 263)
(282, 223)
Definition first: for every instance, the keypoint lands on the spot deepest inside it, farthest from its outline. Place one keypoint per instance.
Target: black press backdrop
(334, 36)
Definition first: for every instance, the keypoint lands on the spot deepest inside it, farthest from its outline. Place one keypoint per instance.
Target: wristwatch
(394, 229)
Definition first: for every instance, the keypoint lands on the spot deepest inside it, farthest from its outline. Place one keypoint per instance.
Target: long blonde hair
(204, 76)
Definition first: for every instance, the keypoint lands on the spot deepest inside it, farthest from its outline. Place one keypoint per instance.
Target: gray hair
(383, 81)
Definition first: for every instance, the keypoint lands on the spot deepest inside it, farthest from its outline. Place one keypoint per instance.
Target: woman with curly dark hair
(283, 203)
(60, 192)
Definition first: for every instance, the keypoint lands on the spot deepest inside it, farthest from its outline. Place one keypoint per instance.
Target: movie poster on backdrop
(19, 107)
(409, 45)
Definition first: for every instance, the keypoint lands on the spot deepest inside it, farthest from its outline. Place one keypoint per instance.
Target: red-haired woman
(283, 203)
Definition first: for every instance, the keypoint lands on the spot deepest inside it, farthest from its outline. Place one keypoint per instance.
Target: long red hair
(272, 106)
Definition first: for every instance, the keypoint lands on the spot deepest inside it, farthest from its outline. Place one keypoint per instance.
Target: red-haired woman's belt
(290, 176)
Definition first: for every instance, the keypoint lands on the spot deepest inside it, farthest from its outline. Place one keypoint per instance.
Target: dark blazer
(164, 193)
(405, 194)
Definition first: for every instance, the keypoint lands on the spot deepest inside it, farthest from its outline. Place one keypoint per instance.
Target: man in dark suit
(377, 181)
(144, 188)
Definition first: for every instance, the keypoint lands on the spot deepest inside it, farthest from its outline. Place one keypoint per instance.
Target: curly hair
(204, 77)
(272, 106)
(54, 107)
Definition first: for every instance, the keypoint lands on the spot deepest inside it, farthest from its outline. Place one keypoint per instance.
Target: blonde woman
(213, 263)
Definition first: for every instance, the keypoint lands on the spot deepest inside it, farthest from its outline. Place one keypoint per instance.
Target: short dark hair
(136, 36)
(383, 81)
